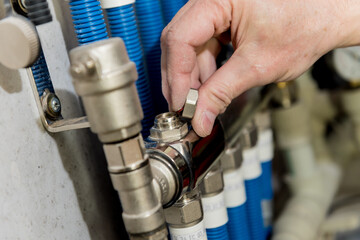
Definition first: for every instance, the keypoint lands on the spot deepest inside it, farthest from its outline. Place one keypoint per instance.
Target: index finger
(192, 29)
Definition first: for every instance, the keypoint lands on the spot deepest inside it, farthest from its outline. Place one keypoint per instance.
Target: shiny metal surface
(168, 128)
(213, 182)
(186, 212)
(232, 158)
(190, 104)
(249, 135)
(105, 79)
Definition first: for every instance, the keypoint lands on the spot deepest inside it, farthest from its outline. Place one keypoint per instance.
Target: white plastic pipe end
(105, 4)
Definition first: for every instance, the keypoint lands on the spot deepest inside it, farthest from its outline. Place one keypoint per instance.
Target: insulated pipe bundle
(213, 201)
(88, 21)
(170, 8)
(151, 24)
(235, 195)
(39, 13)
(251, 168)
(266, 153)
(123, 24)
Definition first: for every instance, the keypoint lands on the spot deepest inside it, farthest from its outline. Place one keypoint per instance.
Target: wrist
(349, 23)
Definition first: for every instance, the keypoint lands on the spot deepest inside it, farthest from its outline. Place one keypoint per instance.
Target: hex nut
(213, 182)
(124, 155)
(190, 104)
(249, 135)
(184, 213)
(232, 158)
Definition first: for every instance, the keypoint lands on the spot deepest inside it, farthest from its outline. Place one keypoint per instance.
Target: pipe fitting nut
(232, 158)
(125, 156)
(186, 212)
(190, 104)
(213, 182)
(168, 128)
(249, 135)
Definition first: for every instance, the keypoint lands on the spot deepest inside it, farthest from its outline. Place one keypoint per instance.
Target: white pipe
(215, 214)
(313, 185)
(196, 232)
(305, 212)
(105, 4)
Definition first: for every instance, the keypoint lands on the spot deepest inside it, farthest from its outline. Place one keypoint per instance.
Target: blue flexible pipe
(237, 225)
(170, 8)
(41, 75)
(253, 207)
(151, 24)
(219, 233)
(88, 21)
(123, 24)
(267, 193)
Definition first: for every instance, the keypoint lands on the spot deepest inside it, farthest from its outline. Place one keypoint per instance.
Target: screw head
(51, 104)
(55, 104)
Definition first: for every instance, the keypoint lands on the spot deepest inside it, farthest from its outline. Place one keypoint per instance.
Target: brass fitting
(105, 79)
(190, 104)
(213, 182)
(186, 212)
(232, 158)
(249, 135)
(125, 156)
(168, 128)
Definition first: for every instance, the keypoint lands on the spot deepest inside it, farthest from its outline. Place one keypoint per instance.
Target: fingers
(232, 79)
(206, 59)
(192, 28)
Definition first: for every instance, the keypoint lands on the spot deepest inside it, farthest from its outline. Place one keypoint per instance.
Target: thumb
(233, 78)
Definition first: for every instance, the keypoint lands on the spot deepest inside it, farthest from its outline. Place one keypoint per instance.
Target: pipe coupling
(143, 212)
(263, 120)
(213, 182)
(125, 156)
(232, 158)
(105, 79)
(186, 212)
(249, 135)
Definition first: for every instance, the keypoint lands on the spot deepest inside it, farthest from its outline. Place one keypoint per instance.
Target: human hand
(274, 40)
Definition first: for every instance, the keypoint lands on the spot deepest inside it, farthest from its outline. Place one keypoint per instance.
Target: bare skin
(274, 40)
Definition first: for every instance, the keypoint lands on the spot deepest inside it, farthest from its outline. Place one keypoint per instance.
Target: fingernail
(207, 121)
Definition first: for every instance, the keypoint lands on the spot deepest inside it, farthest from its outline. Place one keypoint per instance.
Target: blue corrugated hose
(219, 233)
(151, 24)
(170, 8)
(237, 224)
(88, 21)
(267, 191)
(123, 24)
(41, 75)
(253, 208)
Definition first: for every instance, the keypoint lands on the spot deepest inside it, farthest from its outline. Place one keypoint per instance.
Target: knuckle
(221, 95)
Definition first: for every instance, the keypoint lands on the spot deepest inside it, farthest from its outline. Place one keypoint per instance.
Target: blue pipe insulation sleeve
(219, 233)
(41, 75)
(215, 216)
(235, 198)
(123, 24)
(151, 24)
(237, 225)
(253, 207)
(88, 21)
(267, 196)
(170, 8)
